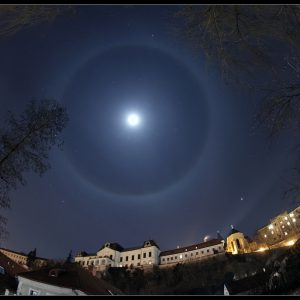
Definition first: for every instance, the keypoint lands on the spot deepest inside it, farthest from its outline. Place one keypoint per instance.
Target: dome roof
(233, 230)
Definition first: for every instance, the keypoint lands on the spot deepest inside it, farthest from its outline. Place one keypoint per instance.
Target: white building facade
(192, 253)
(114, 255)
(147, 255)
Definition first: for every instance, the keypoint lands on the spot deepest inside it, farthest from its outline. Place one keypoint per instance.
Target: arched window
(238, 243)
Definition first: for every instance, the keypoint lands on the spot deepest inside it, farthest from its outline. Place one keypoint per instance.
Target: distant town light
(262, 249)
(282, 226)
(294, 220)
(291, 215)
(290, 243)
(285, 233)
(271, 226)
(265, 235)
(272, 232)
(285, 218)
(180, 256)
(289, 223)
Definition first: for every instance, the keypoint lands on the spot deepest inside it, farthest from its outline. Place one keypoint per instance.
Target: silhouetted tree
(257, 46)
(16, 17)
(69, 258)
(24, 145)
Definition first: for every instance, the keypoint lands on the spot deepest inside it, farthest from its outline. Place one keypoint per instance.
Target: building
(8, 272)
(238, 243)
(23, 259)
(114, 255)
(192, 253)
(282, 230)
(64, 280)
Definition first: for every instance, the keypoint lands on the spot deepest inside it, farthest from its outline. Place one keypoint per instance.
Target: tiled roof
(73, 277)
(192, 247)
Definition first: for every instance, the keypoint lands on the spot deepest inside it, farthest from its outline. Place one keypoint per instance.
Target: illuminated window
(291, 215)
(294, 220)
(271, 226)
(265, 235)
(180, 256)
(272, 232)
(285, 233)
(282, 226)
(285, 218)
(289, 223)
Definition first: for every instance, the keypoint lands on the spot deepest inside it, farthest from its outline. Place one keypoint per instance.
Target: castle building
(238, 243)
(22, 258)
(192, 253)
(282, 229)
(114, 255)
(147, 255)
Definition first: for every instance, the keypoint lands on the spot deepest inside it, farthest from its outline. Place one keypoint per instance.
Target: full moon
(133, 120)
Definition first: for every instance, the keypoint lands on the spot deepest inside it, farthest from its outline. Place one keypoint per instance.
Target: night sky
(192, 166)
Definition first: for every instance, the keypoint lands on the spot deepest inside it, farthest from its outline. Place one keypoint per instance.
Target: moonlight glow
(133, 120)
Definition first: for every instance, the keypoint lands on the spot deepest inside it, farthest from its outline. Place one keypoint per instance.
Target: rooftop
(74, 277)
(192, 247)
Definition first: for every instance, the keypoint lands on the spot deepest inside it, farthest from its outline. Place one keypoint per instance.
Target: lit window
(289, 223)
(150, 262)
(291, 215)
(294, 220)
(285, 233)
(120, 266)
(271, 226)
(180, 256)
(282, 226)
(265, 235)
(272, 232)
(285, 218)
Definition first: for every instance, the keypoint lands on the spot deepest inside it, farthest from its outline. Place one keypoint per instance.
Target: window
(219, 247)
(172, 258)
(33, 292)
(186, 255)
(139, 256)
(121, 259)
(144, 255)
(126, 258)
(163, 259)
(138, 264)
(192, 254)
(149, 254)
(97, 262)
(202, 252)
(197, 253)
(175, 257)
(207, 251)
(132, 257)
(168, 259)
(111, 257)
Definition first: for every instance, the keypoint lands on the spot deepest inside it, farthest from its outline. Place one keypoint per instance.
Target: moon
(133, 120)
